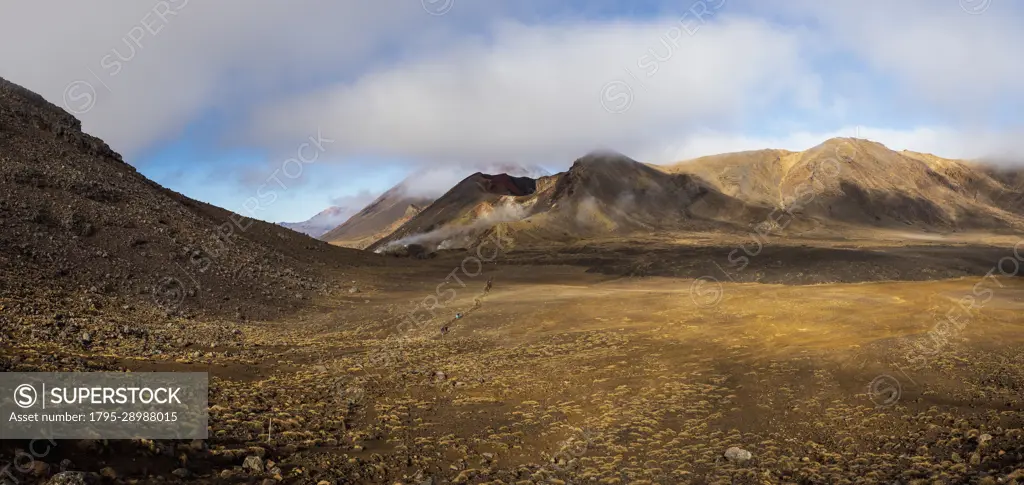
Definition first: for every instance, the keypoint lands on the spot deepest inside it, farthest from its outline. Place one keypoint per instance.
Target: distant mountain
(319, 224)
(475, 201)
(385, 214)
(602, 193)
(404, 201)
(838, 185)
(861, 182)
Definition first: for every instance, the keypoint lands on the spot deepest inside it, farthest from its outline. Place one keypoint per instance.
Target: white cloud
(534, 92)
(184, 57)
(386, 79)
(939, 55)
(354, 202)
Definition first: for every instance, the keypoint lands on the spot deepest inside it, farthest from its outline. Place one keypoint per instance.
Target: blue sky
(214, 99)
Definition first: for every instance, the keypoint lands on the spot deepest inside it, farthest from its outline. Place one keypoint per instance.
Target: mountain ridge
(840, 183)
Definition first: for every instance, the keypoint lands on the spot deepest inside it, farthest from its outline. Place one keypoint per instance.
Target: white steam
(452, 235)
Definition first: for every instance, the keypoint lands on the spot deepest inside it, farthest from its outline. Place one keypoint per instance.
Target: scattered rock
(40, 469)
(253, 464)
(69, 478)
(89, 446)
(737, 455)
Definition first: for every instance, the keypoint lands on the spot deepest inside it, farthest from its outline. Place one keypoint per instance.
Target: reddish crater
(505, 184)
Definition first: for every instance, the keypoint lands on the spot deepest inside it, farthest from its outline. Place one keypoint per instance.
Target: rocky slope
(80, 228)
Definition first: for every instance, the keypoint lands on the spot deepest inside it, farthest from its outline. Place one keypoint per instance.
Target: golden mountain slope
(855, 181)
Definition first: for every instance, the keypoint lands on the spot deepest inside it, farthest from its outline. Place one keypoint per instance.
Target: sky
(277, 110)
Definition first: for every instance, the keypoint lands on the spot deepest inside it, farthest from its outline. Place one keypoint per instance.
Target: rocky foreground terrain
(556, 375)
